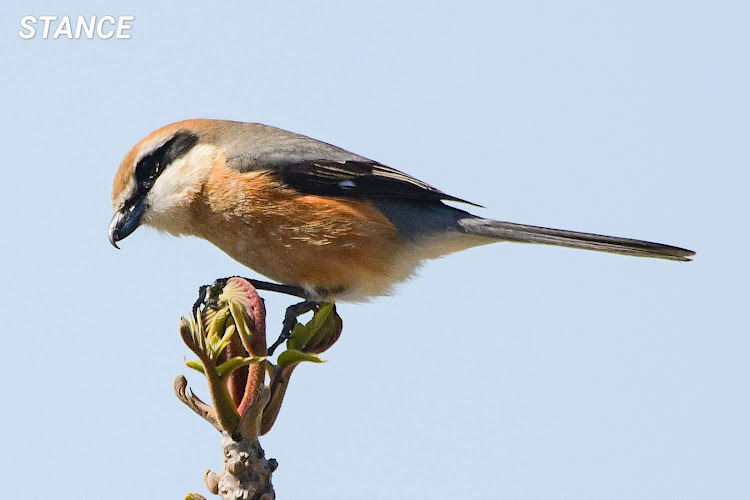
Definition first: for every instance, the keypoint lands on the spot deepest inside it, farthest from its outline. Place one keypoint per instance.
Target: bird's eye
(146, 171)
(153, 164)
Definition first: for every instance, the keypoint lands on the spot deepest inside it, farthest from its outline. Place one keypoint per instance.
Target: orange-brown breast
(291, 237)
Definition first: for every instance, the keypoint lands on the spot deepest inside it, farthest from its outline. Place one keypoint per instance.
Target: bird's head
(160, 177)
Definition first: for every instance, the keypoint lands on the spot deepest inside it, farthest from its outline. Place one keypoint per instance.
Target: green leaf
(218, 338)
(221, 343)
(195, 365)
(293, 356)
(228, 367)
(301, 335)
(218, 324)
(320, 333)
(240, 319)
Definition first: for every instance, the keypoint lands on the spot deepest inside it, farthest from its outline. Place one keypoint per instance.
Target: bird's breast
(329, 244)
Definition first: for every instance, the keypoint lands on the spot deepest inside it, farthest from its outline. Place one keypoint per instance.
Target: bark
(227, 332)
(247, 471)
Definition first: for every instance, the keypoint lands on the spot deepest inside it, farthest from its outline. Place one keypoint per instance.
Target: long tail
(532, 234)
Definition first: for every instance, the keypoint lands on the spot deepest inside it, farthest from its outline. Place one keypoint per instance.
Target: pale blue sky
(506, 371)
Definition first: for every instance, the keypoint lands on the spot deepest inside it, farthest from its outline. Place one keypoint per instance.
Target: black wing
(354, 179)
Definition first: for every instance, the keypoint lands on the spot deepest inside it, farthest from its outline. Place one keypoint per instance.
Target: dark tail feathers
(546, 236)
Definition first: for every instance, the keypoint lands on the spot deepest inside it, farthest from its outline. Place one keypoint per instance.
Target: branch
(226, 330)
(192, 401)
(246, 474)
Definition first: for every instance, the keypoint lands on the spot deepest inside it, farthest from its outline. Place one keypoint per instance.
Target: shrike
(309, 215)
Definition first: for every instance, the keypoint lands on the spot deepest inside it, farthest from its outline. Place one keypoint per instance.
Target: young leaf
(293, 356)
(196, 365)
(228, 367)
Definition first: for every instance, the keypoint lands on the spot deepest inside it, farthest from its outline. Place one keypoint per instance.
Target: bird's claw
(202, 291)
(290, 321)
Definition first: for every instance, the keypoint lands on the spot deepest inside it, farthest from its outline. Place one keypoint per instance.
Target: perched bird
(311, 216)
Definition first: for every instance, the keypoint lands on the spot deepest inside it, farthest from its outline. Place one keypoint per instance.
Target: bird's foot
(290, 321)
(208, 295)
(202, 291)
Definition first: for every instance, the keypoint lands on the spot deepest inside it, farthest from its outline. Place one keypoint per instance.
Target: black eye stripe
(147, 170)
(153, 164)
(178, 146)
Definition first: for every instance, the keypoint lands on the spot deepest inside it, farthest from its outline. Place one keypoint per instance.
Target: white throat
(177, 187)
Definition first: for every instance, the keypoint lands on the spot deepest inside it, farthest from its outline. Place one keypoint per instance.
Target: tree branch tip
(212, 481)
(184, 394)
(250, 421)
(236, 466)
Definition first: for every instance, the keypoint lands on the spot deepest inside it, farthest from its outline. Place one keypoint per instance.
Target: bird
(323, 223)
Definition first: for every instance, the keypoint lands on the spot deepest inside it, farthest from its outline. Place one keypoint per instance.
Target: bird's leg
(295, 291)
(202, 291)
(290, 321)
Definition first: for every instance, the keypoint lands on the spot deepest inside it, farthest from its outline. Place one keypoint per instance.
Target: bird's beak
(125, 222)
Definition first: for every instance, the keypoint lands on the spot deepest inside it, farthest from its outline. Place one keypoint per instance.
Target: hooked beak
(125, 222)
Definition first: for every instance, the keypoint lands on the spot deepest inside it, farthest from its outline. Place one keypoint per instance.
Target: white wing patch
(347, 185)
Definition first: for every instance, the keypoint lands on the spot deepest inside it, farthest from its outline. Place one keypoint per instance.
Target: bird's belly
(354, 271)
(333, 248)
